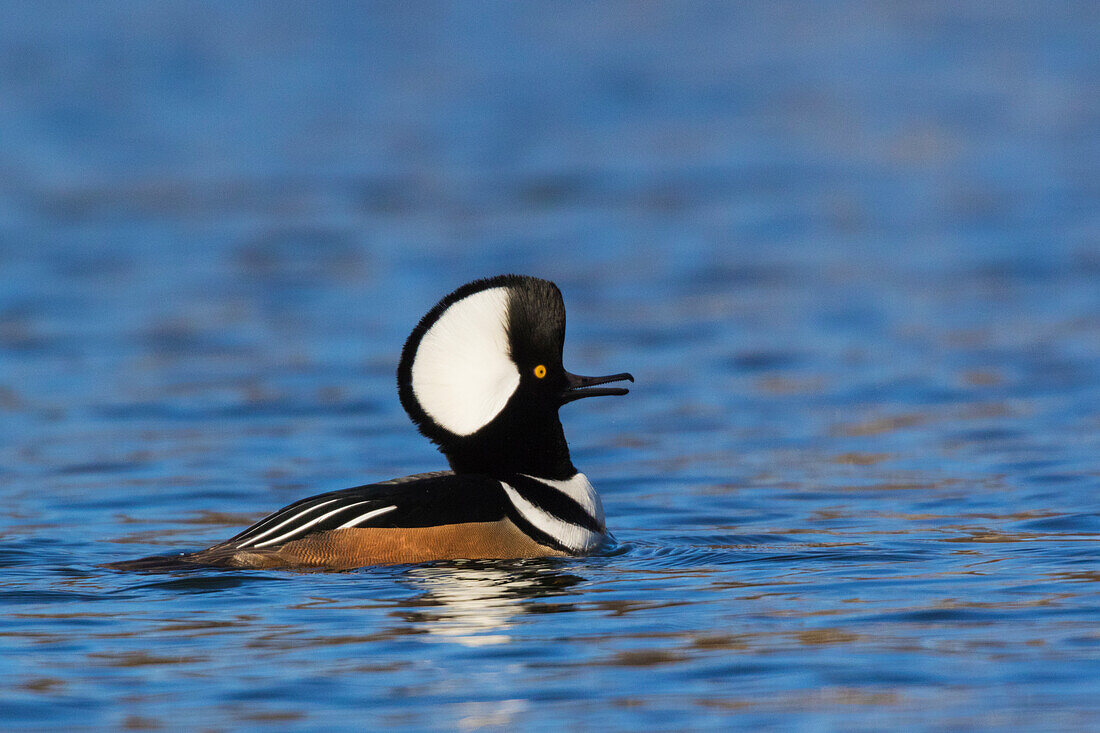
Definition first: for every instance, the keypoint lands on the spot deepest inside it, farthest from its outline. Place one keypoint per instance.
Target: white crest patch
(462, 373)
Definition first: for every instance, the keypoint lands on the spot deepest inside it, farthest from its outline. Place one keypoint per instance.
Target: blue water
(851, 252)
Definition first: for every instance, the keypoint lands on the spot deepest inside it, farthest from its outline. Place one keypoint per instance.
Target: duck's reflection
(475, 603)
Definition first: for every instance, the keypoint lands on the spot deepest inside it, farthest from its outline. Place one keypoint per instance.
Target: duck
(481, 377)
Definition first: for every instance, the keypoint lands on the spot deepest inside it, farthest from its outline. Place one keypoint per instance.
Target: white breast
(580, 490)
(573, 536)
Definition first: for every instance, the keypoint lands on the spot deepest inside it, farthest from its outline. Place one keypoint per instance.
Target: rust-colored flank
(342, 549)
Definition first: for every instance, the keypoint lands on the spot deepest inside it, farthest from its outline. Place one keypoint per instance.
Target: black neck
(513, 444)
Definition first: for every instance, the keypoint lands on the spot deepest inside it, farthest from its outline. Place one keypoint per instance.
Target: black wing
(422, 500)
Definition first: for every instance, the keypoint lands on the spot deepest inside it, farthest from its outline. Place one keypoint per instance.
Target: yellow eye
(540, 371)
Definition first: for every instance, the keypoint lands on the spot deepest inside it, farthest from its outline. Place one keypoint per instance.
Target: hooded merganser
(481, 376)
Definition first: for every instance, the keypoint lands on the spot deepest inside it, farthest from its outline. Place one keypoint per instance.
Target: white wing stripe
(249, 540)
(365, 517)
(310, 523)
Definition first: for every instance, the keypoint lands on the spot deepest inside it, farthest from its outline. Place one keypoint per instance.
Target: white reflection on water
(476, 605)
(490, 713)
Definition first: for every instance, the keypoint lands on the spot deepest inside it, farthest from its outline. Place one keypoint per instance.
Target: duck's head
(482, 377)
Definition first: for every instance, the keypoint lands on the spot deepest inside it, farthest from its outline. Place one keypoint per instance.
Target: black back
(423, 500)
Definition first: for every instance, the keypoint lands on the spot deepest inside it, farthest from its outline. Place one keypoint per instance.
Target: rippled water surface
(849, 251)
